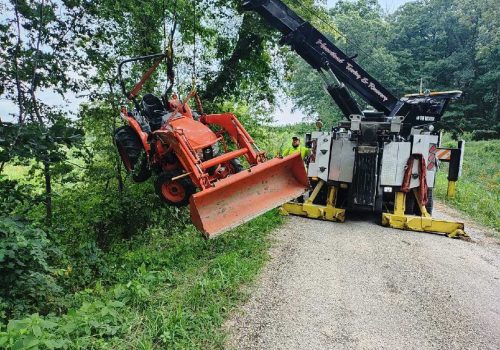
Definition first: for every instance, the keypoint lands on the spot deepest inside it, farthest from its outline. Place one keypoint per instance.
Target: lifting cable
(169, 47)
(194, 91)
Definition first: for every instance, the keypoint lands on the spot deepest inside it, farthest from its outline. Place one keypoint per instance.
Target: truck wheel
(176, 193)
(412, 207)
(430, 201)
(132, 153)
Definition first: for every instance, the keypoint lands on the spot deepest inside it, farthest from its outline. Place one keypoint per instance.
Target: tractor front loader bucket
(245, 195)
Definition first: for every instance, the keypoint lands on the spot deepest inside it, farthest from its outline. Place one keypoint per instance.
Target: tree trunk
(118, 161)
(48, 192)
(249, 39)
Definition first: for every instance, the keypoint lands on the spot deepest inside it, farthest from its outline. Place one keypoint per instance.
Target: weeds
(478, 189)
(170, 292)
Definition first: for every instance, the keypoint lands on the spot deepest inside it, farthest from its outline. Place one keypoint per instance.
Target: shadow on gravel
(363, 216)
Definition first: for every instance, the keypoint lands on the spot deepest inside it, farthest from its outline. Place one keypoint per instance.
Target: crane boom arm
(319, 51)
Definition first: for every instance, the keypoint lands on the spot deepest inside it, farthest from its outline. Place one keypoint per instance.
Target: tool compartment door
(342, 161)
(318, 167)
(426, 145)
(394, 158)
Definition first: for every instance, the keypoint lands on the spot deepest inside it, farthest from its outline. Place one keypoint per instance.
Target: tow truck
(381, 160)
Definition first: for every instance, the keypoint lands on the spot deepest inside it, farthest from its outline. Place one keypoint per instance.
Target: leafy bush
(172, 291)
(92, 323)
(27, 281)
(11, 195)
(478, 135)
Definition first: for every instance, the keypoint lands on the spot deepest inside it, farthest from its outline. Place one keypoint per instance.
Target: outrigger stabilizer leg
(423, 223)
(315, 211)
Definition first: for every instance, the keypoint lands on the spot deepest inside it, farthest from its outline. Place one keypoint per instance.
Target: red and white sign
(444, 154)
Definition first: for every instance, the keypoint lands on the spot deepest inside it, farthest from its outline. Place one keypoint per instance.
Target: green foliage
(449, 44)
(478, 135)
(27, 280)
(170, 291)
(478, 189)
(33, 141)
(87, 327)
(14, 194)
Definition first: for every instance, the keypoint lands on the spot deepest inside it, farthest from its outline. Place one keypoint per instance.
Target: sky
(282, 115)
(387, 5)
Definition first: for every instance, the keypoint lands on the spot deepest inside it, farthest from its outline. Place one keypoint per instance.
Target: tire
(141, 170)
(175, 193)
(132, 153)
(236, 165)
(411, 204)
(430, 201)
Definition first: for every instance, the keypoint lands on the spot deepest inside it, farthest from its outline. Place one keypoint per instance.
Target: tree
(36, 48)
(363, 32)
(452, 44)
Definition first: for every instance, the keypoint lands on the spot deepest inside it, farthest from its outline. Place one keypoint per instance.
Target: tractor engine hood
(198, 134)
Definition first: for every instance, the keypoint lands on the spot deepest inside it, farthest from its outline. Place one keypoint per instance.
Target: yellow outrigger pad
(245, 195)
(424, 223)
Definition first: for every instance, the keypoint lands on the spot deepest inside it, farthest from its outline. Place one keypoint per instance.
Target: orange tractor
(195, 159)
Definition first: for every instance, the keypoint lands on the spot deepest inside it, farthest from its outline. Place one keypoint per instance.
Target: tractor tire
(132, 153)
(236, 165)
(141, 171)
(175, 193)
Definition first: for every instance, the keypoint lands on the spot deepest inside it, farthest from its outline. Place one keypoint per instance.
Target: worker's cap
(295, 137)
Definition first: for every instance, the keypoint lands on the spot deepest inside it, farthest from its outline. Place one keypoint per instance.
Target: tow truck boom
(323, 55)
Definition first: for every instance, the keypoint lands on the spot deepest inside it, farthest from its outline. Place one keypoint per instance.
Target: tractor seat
(154, 110)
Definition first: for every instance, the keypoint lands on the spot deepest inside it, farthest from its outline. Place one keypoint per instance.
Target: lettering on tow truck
(377, 91)
(350, 68)
(353, 71)
(333, 54)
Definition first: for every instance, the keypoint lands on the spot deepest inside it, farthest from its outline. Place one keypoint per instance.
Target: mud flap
(245, 195)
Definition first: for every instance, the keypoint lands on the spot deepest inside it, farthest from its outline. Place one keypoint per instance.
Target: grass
(478, 189)
(16, 172)
(205, 281)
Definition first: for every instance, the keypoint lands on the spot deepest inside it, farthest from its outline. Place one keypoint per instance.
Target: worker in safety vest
(297, 148)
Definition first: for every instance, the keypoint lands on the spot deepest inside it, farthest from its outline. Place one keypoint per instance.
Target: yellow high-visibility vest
(304, 151)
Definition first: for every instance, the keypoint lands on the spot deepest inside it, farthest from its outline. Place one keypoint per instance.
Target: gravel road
(358, 285)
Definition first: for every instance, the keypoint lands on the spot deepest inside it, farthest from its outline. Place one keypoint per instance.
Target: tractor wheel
(236, 166)
(141, 171)
(132, 153)
(176, 193)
